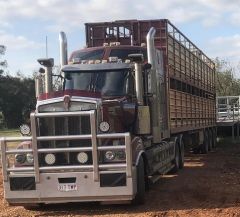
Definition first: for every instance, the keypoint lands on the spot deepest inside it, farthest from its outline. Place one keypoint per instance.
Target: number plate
(67, 187)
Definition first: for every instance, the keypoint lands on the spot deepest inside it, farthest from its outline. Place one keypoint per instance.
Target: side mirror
(147, 66)
(47, 62)
(41, 70)
(138, 57)
(68, 77)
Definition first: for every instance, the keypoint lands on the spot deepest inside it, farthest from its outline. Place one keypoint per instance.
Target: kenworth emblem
(66, 101)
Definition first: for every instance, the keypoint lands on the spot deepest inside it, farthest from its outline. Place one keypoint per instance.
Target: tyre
(214, 138)
(140, 195)
(210, 140)
(205, 145)
(34, 207)
(181, 157)
(176, 159)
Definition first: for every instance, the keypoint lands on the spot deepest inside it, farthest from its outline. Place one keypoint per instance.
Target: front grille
(56, 126)
(60, 126)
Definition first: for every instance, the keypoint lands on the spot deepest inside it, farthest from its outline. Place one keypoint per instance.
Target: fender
(138, 157)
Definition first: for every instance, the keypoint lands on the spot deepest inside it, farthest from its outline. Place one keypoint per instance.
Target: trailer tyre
(140, 195)
(205, 145)
(181, 157)
(214, 138)
(176, 159)
(210, 140)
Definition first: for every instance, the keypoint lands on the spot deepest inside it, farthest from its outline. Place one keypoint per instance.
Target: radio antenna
(46, 47)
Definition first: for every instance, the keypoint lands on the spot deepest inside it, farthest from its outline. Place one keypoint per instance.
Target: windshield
(110, 83)
(88, 55)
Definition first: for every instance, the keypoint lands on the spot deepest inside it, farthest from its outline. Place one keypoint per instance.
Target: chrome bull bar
(95, 167)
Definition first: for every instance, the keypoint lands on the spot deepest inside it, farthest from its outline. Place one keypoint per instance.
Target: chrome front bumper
(88, 183)
(87, 190)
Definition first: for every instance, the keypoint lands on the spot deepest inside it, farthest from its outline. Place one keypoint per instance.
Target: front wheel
(176, 159)
(140, 195)
(181, 158)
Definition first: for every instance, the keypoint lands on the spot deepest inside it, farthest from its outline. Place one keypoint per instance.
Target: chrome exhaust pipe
(151, 47)
(38, 86)
(151, 52)
(63, 49)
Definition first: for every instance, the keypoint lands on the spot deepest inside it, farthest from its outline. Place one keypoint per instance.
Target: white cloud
(13, 42)
(71, 15)
(4, 24)
(226, 47)
(75, 13)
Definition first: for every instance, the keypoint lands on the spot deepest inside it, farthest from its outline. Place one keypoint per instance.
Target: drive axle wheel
(210, 140)
(181, 157)
(140, 195)
(214, 138)
(205, 145)
(176, 159)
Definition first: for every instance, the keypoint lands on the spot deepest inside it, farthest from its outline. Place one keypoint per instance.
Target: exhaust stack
(48, 64)
(151, 52)
(63, 49)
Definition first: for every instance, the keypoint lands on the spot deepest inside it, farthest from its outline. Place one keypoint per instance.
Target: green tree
(3, 63)
(226, 82)
(17, 99)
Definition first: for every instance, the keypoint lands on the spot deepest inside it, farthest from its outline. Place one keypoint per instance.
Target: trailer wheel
(205, 145)
(181, 157)
(210, 140)
(140, 195)
(214, 138)
(176, 159)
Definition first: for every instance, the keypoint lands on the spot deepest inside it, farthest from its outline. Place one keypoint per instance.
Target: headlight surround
(20, 158)
(50, 159)
(25, 130)
(115, 156)
(121, 155)
(110, 155)
(82, 157)
(104, 126)
(29, 158)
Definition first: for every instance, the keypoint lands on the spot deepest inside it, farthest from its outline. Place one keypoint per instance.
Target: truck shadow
(207, 182)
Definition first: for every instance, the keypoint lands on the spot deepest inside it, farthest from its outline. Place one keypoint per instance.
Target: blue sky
(213, 25)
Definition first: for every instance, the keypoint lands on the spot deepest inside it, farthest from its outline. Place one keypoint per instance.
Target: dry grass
(10, 133)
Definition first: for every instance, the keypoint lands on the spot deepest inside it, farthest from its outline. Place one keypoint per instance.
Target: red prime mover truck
(130, 103)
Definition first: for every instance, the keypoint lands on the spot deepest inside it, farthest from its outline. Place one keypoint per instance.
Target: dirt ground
(209, 185)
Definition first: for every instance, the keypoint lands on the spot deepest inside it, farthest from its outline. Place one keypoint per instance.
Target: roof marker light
(84, 62)
(113, 59)
(76, 60)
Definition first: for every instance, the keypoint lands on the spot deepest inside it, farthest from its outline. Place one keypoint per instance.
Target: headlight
(104, 126)
(50, 159)
(110, 155)
(30, 158)
(25, 130)
(82, 157)
(121, 155)
(20, 158)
